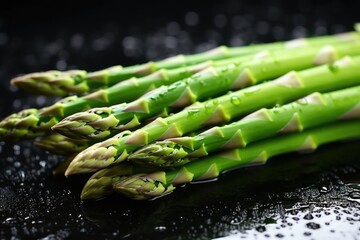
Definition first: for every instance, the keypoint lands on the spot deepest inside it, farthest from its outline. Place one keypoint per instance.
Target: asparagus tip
(143, 186)
(162, 154)
(54, 83)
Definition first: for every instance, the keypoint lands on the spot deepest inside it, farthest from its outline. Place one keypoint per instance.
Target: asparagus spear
(79, 81)
(314, 110)
(99, 123)
(32, 123)
(61, 145)
(100, 184)
(290, 167)
(341, 74)
(150, 185)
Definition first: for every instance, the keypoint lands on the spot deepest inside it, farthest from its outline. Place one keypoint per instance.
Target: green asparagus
(99, 123)
(32, 123)
(79, 81)
(314, 110)
(100, 184)
(149, 185)
(61, 145)
(343, 73)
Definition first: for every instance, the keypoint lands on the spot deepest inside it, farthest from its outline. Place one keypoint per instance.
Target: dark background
(295, 196)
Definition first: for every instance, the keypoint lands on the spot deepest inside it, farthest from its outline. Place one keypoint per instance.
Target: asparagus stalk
(100, 184)
(79, 81)
(314, 110)
(32, 123)
(150, 185)
(343, 73)
(61, 145)
(291, 166)
(99, 123)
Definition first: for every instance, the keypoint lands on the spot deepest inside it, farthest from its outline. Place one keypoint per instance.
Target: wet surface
(309, 196)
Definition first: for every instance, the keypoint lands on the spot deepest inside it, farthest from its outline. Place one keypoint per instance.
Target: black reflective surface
(311, 196)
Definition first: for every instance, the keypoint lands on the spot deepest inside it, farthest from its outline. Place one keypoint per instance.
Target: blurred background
(97, 34)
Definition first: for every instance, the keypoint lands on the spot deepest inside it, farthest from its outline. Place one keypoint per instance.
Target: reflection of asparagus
(290, 87)
(149, 185)
(313, 110)
(78, 81)
(99, 123)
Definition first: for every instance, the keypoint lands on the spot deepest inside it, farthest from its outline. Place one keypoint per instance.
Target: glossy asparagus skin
(79, 81)
(314, 110)
(61, 145)
(100, 123)
(294, 85)
(31, 123)
(150, 185)
(100, 184)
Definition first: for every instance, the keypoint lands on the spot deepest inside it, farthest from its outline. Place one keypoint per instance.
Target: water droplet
(10, 221)
(261, 228)
(171, 87)
(308, 216)
(235, 100)
(160, 228)
(324, 190)
(302, 101)
(235, 221)
(193, 112)
(42, 163)
(276, 108)
(312, 225)
(333, 68)
(279, 235)
(252, 90)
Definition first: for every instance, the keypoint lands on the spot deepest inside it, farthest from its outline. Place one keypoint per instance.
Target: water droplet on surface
(193, 112)
(251, 90)
(279, 235)
(235, 100)
(324, 190)
(261, 228)
(308, 216)
(302, 101)
(312, 225)
(10, 221)
(333, 68)
(160, 228)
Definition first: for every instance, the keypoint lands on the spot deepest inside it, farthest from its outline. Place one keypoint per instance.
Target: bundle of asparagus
(144, 129)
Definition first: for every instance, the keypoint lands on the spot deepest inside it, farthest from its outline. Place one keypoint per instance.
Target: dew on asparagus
(235, 100)
(334, 68)
(252, 90)
(217, 212)
(192, 112)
